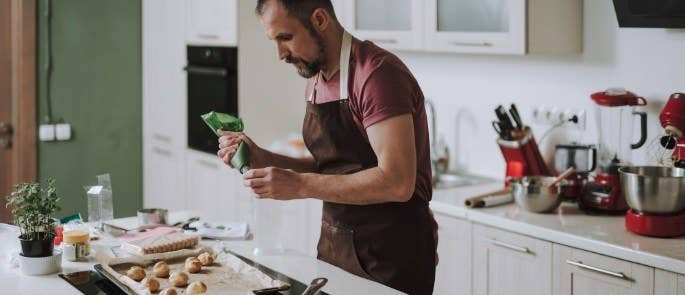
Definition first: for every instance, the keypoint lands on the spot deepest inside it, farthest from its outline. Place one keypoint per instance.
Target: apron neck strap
(344, 69)
(345, 52)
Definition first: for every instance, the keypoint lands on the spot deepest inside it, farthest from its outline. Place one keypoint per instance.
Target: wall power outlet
(551, 115)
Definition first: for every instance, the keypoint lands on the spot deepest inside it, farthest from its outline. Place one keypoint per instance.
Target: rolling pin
(490, 199)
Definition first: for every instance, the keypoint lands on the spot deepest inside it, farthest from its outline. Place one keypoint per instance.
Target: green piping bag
(220, 121)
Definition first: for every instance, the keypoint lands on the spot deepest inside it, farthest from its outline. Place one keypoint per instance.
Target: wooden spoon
(562, 176)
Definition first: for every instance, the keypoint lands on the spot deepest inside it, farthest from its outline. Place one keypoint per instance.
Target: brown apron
(391, 243)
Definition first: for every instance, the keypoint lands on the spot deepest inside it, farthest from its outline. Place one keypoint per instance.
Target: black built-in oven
(212, 86)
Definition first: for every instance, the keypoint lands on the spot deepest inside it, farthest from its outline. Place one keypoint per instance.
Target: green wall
(96, 86)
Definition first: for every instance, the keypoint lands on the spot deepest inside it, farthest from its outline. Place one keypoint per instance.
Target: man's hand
(228, 145)
(274, 183)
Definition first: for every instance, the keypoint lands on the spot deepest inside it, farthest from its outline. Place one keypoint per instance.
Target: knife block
(523, 152)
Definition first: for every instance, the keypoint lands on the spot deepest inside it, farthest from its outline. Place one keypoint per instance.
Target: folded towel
(221, 230)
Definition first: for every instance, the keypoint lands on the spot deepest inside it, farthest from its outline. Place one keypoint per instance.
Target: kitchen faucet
(432, 134)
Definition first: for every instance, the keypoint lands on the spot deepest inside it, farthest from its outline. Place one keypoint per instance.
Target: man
(366, 128)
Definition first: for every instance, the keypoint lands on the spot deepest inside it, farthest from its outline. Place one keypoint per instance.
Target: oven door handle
(209, 71)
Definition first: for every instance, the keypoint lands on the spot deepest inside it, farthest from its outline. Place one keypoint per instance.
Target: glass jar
(76, 241)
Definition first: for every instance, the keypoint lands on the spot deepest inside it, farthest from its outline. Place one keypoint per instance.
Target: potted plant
(33, 207)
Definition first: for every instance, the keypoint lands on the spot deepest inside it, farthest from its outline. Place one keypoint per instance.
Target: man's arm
(301, 165)
(392, 180)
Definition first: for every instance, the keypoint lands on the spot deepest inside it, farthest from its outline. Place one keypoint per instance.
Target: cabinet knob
(6, 131)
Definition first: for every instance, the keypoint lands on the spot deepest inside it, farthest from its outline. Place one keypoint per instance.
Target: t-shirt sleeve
(388, 92)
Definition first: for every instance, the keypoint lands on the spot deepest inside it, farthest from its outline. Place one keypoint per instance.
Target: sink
(454, 180)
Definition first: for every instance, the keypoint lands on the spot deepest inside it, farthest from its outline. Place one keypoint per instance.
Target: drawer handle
(162, 152)
(208, 164)
(208, 36)
(619, 275)
(161, 137)
(384, 41)
(475, 44)
(511, 247)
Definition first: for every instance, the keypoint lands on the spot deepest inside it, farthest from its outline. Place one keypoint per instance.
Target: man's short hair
(300, 9)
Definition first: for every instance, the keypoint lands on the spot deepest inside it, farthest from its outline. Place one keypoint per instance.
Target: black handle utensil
(516, 116)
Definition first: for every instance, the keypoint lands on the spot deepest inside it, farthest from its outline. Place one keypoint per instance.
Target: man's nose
(282, 52)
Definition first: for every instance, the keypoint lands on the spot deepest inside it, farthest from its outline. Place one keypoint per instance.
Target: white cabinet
(513, 27)
(212, 22)
(668, 283)
(391, 24)
(164, 88)
(453, 273)
(164, 172)
(494, 26)
(210, 188)
(508, 263)
(581, 272)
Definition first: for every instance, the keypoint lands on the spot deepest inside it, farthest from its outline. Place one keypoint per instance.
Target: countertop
(295, 265)
(568, 226)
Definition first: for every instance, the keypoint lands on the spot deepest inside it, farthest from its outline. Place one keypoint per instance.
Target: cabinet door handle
(160, 137)
(160, 151)
(208, 36)
(384, 41)
(208, 164)
(474, 44)
(619, 275)
(511, 247)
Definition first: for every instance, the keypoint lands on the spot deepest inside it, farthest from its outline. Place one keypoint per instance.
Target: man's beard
(310, 69)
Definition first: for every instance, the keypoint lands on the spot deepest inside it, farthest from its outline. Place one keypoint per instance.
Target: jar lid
(76, 237)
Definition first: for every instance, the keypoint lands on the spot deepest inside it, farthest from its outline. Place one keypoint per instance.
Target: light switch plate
(46, 132)
(63, 131)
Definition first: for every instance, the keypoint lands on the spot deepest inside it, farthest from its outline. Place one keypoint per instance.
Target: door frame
(22, 56)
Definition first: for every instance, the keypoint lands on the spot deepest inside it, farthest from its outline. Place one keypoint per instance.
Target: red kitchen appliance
(658, 205)
(656, 196)
(615, 110)
(583, 158)
(672, 119)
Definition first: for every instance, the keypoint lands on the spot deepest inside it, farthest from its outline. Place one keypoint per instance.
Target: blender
(615, 111)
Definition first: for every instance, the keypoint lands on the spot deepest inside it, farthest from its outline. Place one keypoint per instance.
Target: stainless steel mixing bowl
(534, 193)
(655, 190)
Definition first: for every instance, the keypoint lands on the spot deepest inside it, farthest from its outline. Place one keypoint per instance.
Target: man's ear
(320, 19)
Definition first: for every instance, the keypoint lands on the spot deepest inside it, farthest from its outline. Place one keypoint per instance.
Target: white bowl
(38, 266)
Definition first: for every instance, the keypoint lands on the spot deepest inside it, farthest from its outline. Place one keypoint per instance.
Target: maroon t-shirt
(380, 86)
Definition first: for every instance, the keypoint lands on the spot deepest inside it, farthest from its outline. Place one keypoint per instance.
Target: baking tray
(296, 287)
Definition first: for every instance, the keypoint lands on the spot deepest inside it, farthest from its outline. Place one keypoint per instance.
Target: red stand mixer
(672, 118)
(615, 110)
(657, 194)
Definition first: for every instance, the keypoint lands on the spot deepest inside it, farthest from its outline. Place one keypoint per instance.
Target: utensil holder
(526, 152)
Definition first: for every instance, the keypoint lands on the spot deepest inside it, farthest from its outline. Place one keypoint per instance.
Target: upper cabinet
(514, 27)
(491, 26)
(392, 24)
(212, 22)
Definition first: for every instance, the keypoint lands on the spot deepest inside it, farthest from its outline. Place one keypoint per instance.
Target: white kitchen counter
(567, 226)
(297, 266)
